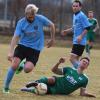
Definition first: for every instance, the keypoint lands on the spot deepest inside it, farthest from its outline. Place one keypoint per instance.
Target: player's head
(76, 6)
(84, 62)
(30, 12)
(90, 14)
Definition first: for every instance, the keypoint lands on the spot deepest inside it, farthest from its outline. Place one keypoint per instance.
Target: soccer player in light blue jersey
(80, 27)
(29, 38)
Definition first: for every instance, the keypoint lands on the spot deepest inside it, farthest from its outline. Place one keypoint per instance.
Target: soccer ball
(41, 89)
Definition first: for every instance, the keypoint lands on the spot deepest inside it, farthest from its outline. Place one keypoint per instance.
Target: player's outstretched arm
(52, 32)
(55, 68)
(64, 32)
(97, 26)
(83, 92)
(14, 42)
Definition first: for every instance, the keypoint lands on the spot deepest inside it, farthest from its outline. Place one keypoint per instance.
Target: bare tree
(17, 9)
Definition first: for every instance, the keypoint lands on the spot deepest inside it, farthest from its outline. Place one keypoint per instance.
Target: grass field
(48, 58)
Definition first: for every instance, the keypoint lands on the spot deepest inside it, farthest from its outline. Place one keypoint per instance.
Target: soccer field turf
(48, 58)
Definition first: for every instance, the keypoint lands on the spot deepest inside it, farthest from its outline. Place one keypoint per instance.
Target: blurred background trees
(59, 11)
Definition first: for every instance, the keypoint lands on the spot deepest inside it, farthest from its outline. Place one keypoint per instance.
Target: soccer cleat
(32, 89)
(21, 66)
(6, 90)
(31, 84)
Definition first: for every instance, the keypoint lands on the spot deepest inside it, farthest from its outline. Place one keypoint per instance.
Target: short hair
(90, 11)
(77, 1)
(31, 9)
(87, 58)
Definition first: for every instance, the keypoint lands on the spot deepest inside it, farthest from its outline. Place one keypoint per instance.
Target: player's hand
(94, 30)
(64, 32)
(79, 38)
(62, 60)
(50, 43)
(93, 96)
(10, 56)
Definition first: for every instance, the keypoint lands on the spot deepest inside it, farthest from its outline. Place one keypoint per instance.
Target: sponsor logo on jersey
(71, 80)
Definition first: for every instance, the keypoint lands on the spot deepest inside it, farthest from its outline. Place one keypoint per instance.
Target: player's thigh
(92, 37)
(51, 80)
(19, 52)
(31, 59)
(15, 62)
(33, 56)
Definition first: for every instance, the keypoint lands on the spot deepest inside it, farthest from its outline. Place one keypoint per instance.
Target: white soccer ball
(41, 89)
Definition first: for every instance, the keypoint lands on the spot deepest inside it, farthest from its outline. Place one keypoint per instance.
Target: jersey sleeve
(84, 21)
(65, 70)
(45, 20)
(95, 21)
(84, 85)
(18, 29)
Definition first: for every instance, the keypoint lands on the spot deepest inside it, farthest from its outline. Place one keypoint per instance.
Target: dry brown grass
(48, 58)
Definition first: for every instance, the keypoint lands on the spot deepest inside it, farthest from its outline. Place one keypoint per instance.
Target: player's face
(90, 15)
(76, 7)
(84, 63)
(30, 17)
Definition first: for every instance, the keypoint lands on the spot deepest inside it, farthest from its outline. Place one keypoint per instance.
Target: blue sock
(76, 64)
(9, 77)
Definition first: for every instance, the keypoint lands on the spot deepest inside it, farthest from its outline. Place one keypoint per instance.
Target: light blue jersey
(31, 34)
(80, 22)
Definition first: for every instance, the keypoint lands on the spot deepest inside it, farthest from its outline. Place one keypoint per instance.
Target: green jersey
(70, 82)
(91, 33)
(93, 23)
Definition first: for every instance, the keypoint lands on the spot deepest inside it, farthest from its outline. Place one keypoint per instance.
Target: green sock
(87, 48)
(33, 90)
(21, 66)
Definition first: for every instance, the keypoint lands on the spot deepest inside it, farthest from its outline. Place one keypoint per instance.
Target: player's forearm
(13, 43)
(68, 30)
(96, 28)
(83, 92)
(52, 29)
(55, 67)
(83, 33)
(57, 70)
(88, 95)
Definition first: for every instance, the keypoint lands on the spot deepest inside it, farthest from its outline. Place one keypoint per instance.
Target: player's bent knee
(27, 70)
(28, 67)
(51, 80)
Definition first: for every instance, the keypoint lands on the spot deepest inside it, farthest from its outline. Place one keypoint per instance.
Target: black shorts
(78, 49)
(30, 54)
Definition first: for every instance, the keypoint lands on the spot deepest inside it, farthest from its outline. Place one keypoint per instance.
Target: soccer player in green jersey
(91, 32)
(71, 79)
